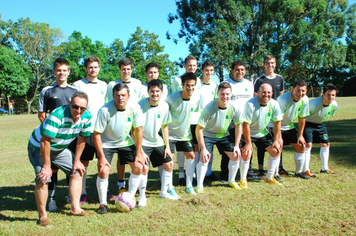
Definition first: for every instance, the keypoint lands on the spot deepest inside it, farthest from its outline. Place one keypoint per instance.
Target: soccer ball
(125, 202)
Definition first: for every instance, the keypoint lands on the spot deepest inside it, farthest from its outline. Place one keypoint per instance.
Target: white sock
(233, 167)
(143, 185)
(210, 165)
(180, 161)
(299, 162)
(166, 181)
(272, 163)
(324, 157)
(190, 168)
(102, 188)
(134, 183)
(201, 170)
(307, 152)
(276, 171)
(84, 183)
(244, 165)
(160, 170)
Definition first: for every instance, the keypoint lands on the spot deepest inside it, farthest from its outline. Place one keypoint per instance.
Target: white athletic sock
(307, 152)
(166, 181)
(160, 170)
(324, 157)
(102, 188)
(233, 168)
(201, 170)
(190, 168)
(272, 163)
(143, 185)
(276, 171)
(134, 183)
(210, 165)
(180, 161)
(299, 162)
(84, 183)
(244, 166)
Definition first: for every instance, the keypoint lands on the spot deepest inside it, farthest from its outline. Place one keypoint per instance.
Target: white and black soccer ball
(125, 202)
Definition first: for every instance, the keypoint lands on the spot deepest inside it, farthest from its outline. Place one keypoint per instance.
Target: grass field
(322, 206)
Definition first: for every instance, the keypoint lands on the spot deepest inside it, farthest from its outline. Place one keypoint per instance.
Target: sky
(103, 20)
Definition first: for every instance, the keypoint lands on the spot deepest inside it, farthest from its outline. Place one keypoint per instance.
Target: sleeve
(204, 117)
(51, 125)
(175, 86)
(138, 117)
(248, 113)
(101, 120)
(86, 130)
(42, 107)
(238, 115)
(108, 96)
(305, 110)
(257, 85)
(277, 114)
(334, 110)
(167, 116)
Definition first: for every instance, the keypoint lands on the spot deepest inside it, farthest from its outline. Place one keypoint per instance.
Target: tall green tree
(36, 43)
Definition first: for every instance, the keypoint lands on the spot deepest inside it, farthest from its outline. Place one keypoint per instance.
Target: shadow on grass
(342, 141)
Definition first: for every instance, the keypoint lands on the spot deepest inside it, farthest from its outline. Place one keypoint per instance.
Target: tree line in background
(311, 40)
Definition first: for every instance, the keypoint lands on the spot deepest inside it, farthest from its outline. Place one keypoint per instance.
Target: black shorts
(156, 155)
(232, 132)
(223, 144)
(290, 136)
(89, 149)
(126, 154)
(194, 137)
(182, 146)
(262, 142)
(315, 133)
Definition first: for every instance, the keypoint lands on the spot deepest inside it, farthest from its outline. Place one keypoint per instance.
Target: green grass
(322, 206)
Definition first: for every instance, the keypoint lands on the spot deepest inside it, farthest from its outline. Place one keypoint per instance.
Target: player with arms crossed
(321, 109)
(212, 129)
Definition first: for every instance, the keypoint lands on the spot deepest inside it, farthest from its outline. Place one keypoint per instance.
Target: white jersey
(242, 91)
(165, 92)
(154, 118)
(134, 86)
(259, 116)
(216, 120)
(96, 92)
(115, 126)
(320, 113)
(292, 110)
(181, 110)
(207, 94)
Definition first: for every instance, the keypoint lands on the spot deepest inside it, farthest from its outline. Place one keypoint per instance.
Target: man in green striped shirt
(48, 145)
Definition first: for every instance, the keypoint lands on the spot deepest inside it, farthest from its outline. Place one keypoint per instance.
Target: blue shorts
(223, 144)
(315, 133)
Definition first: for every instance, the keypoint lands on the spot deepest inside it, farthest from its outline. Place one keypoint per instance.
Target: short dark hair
(60, 61)
(91, 59)
(153, 83)
(268, 57)
(189, 76)
(207, 63)
(239, 63)
(125, 61)
(120, 86)
(80, 94)
(150, 65)
(300, 82)
(329, 86)
(188, 58)
(224, 85)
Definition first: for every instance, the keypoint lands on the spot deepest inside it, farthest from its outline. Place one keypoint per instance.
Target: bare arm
(41, 116)
(78, 165)
(204, 153)
(102, 162)
(140, 155)
(301, 126)
(45, 150)
(165, 134)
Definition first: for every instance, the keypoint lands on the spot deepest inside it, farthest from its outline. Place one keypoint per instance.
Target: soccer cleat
(103, 209)
(308, 173)
(111, 197)
(212, 177)
(328, 171)
(83, 199)
(234, 185)
(200, 190)
(173, 193)
(273, 181)
(181, 182)
(251, 175)
(302, 175)
(282, 171)
(261, 173)
(52, 207)
(43, 222)
(243, 184)
(278, 178)
(168, 196)
(142, 202)
(190, 190)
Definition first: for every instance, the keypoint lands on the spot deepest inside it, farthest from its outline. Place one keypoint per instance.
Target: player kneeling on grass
(257, 114)
(48, 145)
(212, 129)
(156, 115)
(321, 109)
(112, 135)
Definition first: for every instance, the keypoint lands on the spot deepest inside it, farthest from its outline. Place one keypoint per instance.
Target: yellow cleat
(234, 185)
(273, 181)
(243, 184)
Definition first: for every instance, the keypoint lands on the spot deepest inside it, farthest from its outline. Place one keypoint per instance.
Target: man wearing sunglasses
(48, 146)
